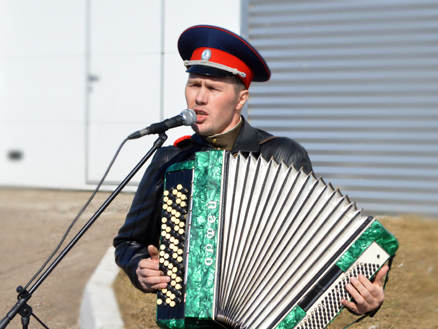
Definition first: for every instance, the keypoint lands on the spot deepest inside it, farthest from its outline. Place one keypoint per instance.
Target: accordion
(250, 243)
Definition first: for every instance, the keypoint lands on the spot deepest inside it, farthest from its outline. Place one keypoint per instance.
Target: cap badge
(206, 55)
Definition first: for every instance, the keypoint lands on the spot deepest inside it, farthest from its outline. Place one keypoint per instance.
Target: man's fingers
(147, 268)
(367, 296)
(355, 294)
(148, 263)
(350, 305)
(375, 290)
(380, 276)
(150, 277)
(364, 288)
(153, 252)
(151, 280)
(151, 284)
(145, 272)
(154, 287)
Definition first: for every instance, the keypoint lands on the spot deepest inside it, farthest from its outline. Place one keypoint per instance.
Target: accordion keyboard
(323, 310)
(170, 301)
(172, 244)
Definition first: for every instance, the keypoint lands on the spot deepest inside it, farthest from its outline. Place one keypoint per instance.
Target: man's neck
(225, 140)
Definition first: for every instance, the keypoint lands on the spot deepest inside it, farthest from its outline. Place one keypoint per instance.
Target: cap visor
(212, 71)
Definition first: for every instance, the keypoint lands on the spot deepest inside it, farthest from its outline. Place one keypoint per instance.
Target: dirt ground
(411, 294)
(32, 223)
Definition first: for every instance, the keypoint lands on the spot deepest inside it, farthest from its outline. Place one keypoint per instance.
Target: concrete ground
(32, 223)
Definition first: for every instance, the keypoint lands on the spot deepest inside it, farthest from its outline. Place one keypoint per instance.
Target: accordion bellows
(262, 245)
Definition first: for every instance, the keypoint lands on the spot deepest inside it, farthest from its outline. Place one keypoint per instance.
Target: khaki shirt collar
(224, 141)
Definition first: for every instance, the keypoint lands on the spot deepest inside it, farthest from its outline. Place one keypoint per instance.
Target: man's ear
(242, 98)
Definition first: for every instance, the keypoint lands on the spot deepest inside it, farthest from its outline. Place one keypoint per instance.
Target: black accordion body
(250, 243)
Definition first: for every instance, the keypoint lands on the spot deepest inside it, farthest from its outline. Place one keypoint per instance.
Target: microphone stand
(21, 306)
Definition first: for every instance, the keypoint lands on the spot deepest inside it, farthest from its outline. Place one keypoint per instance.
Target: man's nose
(201, 96)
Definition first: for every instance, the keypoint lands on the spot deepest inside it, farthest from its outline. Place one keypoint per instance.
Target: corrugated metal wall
(356, 83)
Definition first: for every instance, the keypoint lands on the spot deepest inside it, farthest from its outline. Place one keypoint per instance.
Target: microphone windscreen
(189, 117)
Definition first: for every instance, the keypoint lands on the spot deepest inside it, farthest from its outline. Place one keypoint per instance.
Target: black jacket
(142, 226)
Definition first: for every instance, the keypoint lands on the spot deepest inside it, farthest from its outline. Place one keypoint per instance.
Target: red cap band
(224, 58)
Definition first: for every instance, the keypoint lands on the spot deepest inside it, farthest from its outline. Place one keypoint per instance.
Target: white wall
(68, 128)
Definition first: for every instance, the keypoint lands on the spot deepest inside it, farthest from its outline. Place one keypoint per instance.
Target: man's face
(216, 102)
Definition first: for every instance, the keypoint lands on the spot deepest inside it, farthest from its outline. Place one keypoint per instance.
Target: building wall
(356, 83)
(42, 93)
(77, 77)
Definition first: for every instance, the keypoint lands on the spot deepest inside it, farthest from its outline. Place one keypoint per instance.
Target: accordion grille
(279, 228)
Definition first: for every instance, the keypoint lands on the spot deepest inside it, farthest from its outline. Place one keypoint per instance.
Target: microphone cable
(78, 215)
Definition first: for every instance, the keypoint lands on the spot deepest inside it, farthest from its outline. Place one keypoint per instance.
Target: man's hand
(148, 273)
(367, 296)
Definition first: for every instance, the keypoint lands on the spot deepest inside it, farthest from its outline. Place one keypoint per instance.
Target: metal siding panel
(356, 84)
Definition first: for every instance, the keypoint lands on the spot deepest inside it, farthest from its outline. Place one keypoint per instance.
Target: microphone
(186, 118)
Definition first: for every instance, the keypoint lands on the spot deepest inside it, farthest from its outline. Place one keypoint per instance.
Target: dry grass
(411, 294)
(137, 308)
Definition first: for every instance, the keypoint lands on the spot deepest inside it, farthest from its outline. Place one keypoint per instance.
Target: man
(221, 66)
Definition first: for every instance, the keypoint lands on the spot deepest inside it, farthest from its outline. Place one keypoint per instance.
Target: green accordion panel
(181, 166)
(203, 235)
(292, 319)
(375, 232)
(171, 324)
